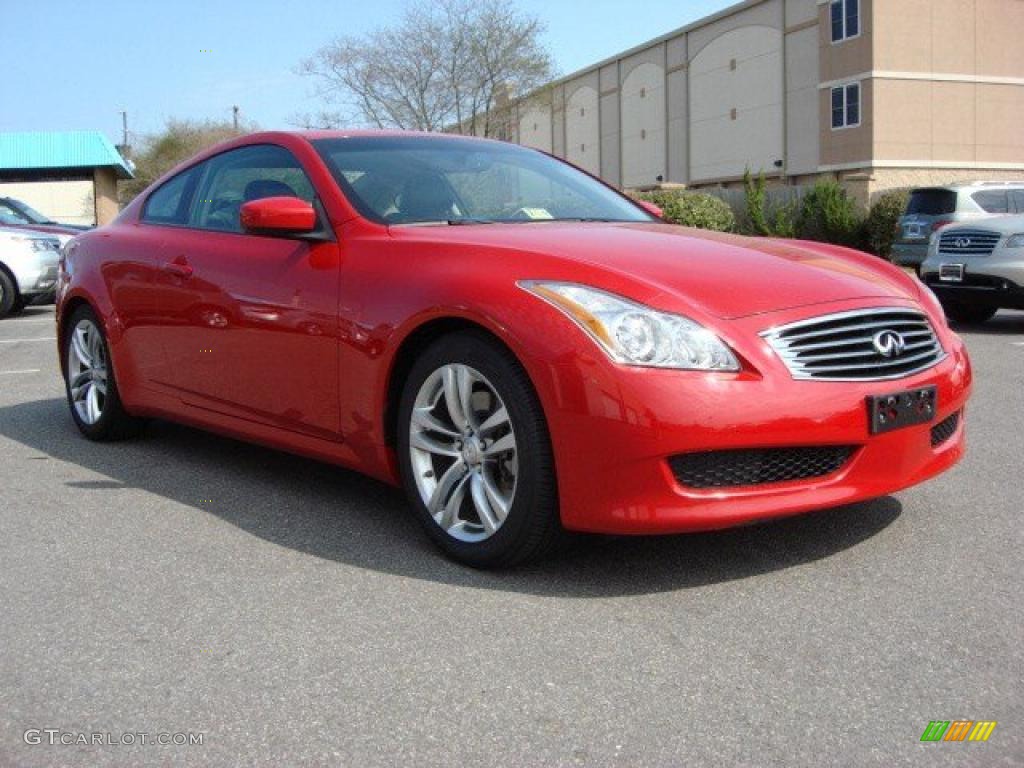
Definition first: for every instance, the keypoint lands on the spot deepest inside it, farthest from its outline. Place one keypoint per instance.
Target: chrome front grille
(853, 346)
(969, 242)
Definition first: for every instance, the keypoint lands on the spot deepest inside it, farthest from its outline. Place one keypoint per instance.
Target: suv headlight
(39, 243)
(1015, 241)
(634, 334)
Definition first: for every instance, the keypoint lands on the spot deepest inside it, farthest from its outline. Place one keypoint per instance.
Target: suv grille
(850, 346)
(724, 469)
(969, 242)
(945, 429)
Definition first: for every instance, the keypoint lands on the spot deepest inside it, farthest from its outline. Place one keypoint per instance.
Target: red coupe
(518, 345)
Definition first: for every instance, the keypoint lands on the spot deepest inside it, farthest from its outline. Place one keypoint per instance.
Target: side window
(169, 204)
(845, 19)
(1018, 199)
(992, 200)
(241, 175)
(846, 106)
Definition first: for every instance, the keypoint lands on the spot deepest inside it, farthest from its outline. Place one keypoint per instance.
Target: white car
(977, 268)
(28, 269)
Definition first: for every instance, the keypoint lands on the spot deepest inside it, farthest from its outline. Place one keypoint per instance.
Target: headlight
(634, 334)
(39, 243)
(1015, 241)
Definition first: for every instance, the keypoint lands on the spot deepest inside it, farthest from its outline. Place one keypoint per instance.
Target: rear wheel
(967, 313)
(475, 454)
(90, 383)
(9, 298)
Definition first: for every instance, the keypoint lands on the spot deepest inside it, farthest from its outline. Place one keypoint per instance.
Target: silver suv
(28, 269)
(931, 208)
(978, 268)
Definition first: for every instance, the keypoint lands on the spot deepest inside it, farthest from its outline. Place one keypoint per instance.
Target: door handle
(179, 267)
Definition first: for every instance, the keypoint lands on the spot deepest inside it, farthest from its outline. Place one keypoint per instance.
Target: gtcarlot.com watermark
(58, 737)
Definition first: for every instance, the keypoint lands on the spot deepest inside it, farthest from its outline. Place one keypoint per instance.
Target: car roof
(970, 185)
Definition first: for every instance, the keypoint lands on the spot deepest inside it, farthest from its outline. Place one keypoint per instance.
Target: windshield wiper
(466, 221)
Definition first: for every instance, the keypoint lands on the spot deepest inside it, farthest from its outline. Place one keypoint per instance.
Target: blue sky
(74, 65)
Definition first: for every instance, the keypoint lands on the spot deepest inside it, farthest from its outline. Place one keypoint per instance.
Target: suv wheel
(9, 298)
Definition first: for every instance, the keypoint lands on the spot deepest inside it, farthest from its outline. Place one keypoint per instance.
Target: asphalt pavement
(292, 614)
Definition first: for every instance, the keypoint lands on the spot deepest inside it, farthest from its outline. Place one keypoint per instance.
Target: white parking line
(27, 370)
(18, 341)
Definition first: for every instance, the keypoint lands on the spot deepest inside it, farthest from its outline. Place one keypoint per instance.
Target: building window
(845, 19)
(846, 106)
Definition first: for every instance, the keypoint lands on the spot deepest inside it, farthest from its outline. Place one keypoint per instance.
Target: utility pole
(124, 127)
(234, 112)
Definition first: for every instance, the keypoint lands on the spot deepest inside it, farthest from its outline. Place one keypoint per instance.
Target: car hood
(727, 275)
(1006, 225)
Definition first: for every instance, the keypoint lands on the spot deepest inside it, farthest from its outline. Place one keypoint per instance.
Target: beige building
(879, 93)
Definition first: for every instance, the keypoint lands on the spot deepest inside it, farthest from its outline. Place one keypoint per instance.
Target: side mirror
(278, 216)
(651, 208)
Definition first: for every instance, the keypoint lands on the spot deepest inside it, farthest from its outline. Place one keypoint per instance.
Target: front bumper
(989, 284)
(617, 430)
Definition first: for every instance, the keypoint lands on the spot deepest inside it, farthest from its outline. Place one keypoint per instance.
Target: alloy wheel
(87, 371)
(463, 450)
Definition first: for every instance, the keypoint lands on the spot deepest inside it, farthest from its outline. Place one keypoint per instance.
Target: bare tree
(445, 65)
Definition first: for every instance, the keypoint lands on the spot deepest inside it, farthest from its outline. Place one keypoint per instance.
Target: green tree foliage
(882, 220)
(180, 140)
(692, 209)
(761, 216)
(828, 214)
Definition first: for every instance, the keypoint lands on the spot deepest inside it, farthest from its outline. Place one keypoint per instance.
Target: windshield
(16, 212)
(415, 179)
(932, 202)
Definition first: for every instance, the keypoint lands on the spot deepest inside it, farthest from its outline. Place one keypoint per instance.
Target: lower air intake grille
(944, 430)
(726, 469)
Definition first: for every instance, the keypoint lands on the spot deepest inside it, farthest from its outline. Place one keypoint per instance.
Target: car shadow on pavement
(341, 516)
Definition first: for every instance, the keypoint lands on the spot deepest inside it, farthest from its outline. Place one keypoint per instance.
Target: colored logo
(889, 343)
(958, 730)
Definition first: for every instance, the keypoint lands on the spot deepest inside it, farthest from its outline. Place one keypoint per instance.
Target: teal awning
(40, 150)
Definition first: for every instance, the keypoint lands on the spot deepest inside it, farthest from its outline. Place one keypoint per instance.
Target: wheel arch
(409, 351)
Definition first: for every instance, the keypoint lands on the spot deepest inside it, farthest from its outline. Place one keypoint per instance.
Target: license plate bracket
(901, 409)
(951, 273)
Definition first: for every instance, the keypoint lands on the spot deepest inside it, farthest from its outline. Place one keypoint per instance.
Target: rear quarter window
(992, 200)
(170, 203)
(932, 202)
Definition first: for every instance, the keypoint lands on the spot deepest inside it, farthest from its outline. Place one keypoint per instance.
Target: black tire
(9, 297)
(968, 314)
(114, 423)
(532, 526)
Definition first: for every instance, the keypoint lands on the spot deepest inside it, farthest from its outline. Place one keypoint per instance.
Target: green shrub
(762, 217)
(828, 214)
(692, 209)
(882, 218)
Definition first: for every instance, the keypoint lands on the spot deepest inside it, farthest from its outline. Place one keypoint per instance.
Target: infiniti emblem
(889, 343)
(963, 242)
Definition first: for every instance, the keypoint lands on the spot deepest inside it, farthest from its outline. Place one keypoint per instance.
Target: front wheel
(967, 313)
(89, 381)
(475, 454)
(9, 298)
